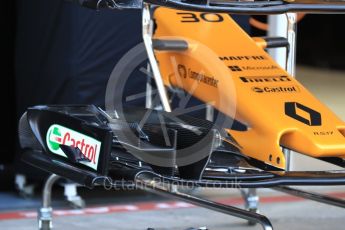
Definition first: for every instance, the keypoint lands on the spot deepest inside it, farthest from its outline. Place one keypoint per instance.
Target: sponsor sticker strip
(276, 89)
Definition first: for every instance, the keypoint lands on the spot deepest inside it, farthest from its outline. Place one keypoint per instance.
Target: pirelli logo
(265, 79)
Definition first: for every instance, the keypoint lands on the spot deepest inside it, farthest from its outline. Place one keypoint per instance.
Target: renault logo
(302, 113)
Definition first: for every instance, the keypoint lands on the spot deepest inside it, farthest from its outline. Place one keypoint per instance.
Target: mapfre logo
(59, 135)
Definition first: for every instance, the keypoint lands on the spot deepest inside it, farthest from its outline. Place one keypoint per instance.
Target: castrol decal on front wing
(59, 135)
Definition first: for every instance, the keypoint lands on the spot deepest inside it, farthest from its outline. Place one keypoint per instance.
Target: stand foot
(72, 197)
(25, 190)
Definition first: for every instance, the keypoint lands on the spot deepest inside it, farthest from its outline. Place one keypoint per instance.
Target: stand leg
(251, 200)
(147, 37)
(45, 212)
(312, 196)
(291, 33)
(148, 183)
(72, 195)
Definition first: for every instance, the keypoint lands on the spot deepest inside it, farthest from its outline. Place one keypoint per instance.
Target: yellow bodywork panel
(225, 67)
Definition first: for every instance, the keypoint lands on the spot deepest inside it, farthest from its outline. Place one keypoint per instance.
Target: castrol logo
(59, 135)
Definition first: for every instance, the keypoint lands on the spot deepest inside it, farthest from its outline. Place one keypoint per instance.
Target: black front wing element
(74, 126)
(214, 180)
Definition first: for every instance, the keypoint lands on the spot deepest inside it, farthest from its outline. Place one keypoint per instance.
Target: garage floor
(285, 213)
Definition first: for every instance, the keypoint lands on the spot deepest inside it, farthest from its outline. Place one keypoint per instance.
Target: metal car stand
(289, 61)
(45, 213)
(148, 182)
(169, 186)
